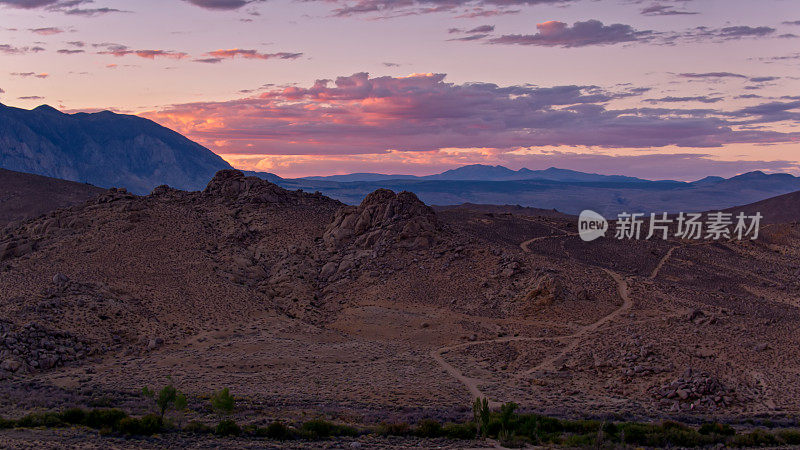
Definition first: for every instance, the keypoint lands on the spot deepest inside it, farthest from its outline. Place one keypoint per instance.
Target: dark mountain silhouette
(104, 149)
(482, 172)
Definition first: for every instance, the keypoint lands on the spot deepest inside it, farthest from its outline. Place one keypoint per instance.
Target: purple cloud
(11, 50)
(27, 4)
(478, 7)
(221, 5)
(47, 31)
(664, 10)
(580, 34)
(712, 75)
(700, 99)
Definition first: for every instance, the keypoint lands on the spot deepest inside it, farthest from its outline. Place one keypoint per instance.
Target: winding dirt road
(473, 384)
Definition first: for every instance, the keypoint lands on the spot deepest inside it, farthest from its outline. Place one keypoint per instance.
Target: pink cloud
(48, 31)
(359, 114)
(218, 55)
(148, 54)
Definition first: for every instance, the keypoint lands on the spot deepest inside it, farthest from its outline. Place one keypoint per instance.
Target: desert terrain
(390, 310)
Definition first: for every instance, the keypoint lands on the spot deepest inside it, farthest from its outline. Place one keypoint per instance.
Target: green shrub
(717, 428)
(317, 429)
(791, 437)
(197, 428)
(584, 426)
(756, 438)
(73, 416)
(393, 429)
(104, 418)
(684, 437)
(278, 431)
(463, 431)
(345, 430)
(507, 414)
(145, 426)
(223, 402)
(428, 428)
(581, 440)
(509, 439)
(228, 428)
(49, 420)
(6, 423)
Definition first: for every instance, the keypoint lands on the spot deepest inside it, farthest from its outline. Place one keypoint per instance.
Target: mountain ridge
(104, 148)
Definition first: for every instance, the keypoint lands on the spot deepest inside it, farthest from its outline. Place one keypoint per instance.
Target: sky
(660, 89)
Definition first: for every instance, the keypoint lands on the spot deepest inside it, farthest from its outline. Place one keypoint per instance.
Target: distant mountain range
(480, 172)
(104, 149)
(115, 150)
(564, 190)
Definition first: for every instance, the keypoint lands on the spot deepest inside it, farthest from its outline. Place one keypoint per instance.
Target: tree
(223, 402)
(167, 397)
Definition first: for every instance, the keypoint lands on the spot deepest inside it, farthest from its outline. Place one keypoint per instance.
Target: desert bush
(195, 427)
(278, 431)
(717, 428)
(791, 437)
(756, 438)
(6, 423)
(223, 402)
(317, 429)
(48, 419)
(227, 428)
(145, 426)
(509, 439)
(464, 431)
(104, 418)
(394, 429)
(428, 428)
(73, 416)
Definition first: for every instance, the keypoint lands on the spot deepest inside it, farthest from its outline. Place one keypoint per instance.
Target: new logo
(591, 225)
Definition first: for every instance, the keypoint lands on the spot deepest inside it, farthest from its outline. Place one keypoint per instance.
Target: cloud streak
(219, 55)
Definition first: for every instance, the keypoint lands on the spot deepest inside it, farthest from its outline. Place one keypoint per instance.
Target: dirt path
(524, 245)
(622, 289)
(663, 261)
(472, 384)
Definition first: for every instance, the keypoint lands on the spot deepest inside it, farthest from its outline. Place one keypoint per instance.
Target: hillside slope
(25, 196)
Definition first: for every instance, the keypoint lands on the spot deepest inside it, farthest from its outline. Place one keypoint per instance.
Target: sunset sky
(674, 89)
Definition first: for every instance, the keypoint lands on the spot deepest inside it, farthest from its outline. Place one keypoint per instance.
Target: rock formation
(384, 218)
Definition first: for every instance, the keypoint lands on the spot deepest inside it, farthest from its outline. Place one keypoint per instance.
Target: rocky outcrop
(695, 390)
(384, 219)
(34, 348)
(548, 289)
(233, 185)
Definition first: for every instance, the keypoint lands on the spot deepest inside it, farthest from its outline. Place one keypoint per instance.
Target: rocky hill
(104, 149)
(388, 310)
